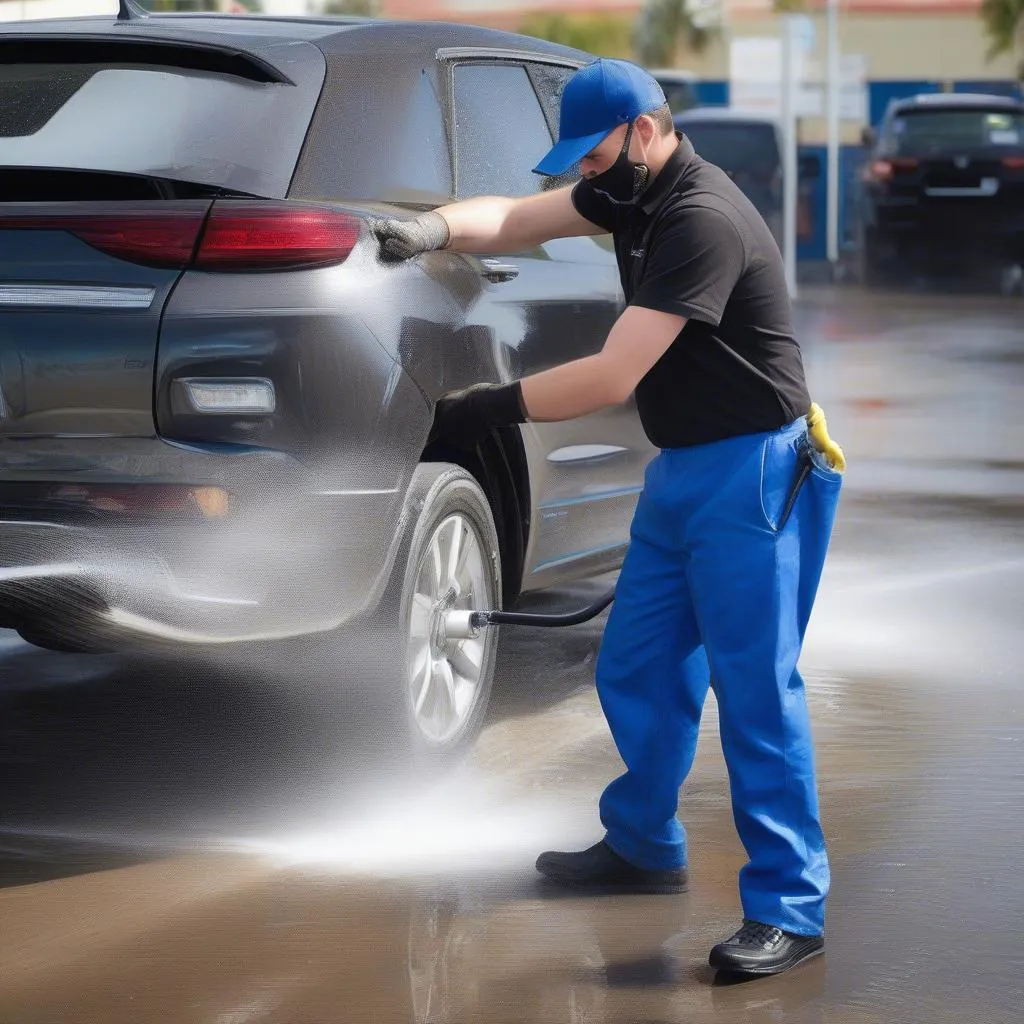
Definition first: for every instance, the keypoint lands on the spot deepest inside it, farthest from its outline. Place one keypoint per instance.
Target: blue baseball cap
(596, 100)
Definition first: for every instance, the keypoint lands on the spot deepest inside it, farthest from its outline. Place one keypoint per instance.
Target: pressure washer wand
(537, 619)
(466, 624)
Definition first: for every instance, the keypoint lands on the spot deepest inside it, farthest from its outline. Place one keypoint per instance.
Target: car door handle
(496, 271)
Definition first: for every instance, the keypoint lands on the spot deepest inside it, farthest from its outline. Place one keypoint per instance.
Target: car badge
(960, 162)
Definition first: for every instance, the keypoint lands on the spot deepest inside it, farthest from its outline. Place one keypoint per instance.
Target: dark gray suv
(216, 401)
(943, 190)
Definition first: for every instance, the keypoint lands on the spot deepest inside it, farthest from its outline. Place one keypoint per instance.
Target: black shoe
(601, 869)
(764, 949)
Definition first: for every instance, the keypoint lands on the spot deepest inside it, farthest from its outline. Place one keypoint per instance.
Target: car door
(545, 307)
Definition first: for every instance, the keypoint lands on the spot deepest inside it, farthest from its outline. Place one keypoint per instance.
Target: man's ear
(647, 127)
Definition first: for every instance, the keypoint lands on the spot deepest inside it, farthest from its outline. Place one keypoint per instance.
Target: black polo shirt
(694, 245)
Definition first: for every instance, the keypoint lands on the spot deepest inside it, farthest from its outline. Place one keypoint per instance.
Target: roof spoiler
(132, 49)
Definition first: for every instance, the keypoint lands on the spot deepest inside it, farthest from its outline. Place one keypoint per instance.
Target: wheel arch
(499, 466)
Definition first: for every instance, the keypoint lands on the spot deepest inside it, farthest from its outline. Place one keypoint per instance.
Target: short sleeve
(694, 262)
(593, 207)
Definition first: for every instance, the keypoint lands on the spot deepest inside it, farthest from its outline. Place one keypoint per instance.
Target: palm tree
(664, 25)
(1004, 23)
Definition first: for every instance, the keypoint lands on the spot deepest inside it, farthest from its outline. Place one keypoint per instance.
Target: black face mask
(624, 181)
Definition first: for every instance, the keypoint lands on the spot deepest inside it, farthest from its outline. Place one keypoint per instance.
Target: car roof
(725, 114)
(318, 66)
(673, 74)
(959, 99)
(262, 35)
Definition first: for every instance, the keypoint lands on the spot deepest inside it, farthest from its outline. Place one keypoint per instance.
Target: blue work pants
(711, 582)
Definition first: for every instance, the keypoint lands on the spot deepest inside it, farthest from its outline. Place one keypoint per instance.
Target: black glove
(403, 239)
(465, 417)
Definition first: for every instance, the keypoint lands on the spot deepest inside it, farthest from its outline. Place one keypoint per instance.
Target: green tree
(604, 35)
(666, 26)
(359, 8)
(1004, 24)
(165, 6)
(187, 6)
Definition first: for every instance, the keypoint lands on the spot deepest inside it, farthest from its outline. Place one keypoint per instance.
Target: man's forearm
(478, 225)
(570, 390)
(639, 338)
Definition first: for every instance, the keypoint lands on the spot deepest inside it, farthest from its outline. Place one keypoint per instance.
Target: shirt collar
(669, 175)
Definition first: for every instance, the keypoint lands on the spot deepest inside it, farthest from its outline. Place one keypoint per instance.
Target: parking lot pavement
(197, 846)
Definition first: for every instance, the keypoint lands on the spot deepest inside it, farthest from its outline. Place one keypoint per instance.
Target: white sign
(755, 77)
(755, 80)
(853, 88)
(755, 74)
(286, 8)
(803, 31)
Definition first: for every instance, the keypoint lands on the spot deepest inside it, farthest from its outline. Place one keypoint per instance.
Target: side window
(500, 131)
(549, 81)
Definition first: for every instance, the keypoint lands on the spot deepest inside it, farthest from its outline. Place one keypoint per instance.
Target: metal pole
(832, 181)
(789, 163)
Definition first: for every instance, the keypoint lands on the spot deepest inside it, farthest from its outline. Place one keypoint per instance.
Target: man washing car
(726, 546)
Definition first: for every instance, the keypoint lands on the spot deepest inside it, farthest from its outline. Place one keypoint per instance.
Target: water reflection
(598, 961)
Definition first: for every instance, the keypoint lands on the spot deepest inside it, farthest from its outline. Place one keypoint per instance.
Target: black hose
(480, 619)
(496, 618)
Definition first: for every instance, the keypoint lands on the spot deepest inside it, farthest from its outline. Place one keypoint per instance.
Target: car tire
(449, 560)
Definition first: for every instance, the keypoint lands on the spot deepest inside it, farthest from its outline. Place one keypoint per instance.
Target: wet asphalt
(187, 842)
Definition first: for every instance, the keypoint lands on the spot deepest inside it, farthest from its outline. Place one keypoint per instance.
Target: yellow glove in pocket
(817, 431)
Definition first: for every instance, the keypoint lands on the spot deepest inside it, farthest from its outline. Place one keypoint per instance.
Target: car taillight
(252, 235)
(147, 499)
(234, 235)
(138, 233)
(885, 170)
(1014, 163)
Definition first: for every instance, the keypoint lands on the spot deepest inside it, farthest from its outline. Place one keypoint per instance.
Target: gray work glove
(403, 239)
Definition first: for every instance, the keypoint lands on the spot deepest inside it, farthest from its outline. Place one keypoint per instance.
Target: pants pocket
(780, 465)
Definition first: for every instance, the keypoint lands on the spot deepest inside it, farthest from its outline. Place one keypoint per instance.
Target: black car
(679, 87)
(944, 187)
(216, 401)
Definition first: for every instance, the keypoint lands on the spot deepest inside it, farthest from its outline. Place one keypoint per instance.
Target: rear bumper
(974, 222)
(292, 552)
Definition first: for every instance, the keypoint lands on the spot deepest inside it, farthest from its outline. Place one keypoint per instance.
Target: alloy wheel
(444, 673)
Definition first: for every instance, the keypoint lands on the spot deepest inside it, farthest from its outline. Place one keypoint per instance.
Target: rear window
(182, 124)
(747, 149)
(917, 131)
